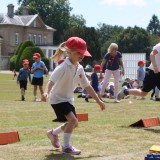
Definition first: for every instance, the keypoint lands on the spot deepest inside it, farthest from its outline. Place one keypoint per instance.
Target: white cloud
(124, 2)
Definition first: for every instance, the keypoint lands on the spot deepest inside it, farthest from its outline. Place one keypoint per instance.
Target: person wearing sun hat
(95, 81)
(61, 85)
(38, 68)
(24, 74)
(140, 73)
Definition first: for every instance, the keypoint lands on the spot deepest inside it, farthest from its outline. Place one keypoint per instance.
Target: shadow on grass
(60, 156)
(152, 130)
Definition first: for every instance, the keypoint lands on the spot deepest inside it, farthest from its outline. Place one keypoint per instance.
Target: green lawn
(106, 136)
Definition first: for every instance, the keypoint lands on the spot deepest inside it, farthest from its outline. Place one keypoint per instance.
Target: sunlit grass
(106, 136)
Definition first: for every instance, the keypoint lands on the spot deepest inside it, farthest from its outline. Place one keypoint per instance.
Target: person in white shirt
(61, 85)
(152, 76)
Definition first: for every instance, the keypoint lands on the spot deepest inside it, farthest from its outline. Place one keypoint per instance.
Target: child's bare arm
(47, 90)
(93, 94)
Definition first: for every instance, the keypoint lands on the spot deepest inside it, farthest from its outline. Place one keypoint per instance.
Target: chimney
(25, 10)
(10, 10)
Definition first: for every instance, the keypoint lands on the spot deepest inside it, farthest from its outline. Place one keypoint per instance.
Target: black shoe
(23, 99)
(86, 99)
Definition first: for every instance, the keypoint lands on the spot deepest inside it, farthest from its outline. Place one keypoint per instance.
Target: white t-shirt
(157, 57)
(66, 78)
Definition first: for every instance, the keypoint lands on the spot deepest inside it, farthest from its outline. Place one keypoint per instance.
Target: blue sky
(112, 12)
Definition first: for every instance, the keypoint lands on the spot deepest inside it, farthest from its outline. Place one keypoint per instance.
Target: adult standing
(113, 62)
(38, 68)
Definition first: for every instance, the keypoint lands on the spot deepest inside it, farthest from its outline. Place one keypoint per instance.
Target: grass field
(106, 136)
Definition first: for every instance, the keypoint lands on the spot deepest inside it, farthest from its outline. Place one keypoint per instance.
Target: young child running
(23, 75)
(152, 77)
(61, 85)
(94, 81)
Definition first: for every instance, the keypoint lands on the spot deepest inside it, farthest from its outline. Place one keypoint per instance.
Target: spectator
(94, 81)
(113, 61)
(24, 74)
(38, 68)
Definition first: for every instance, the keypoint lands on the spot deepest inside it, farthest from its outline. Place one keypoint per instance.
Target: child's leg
(22, 94)
(22, 91)
(35, 92)
(116, 75)
(68, 128)
(137, 92)
(41, 89)
(105, 81)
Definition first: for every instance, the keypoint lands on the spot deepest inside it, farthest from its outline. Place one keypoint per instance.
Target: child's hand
(44, 97)
(102, 105)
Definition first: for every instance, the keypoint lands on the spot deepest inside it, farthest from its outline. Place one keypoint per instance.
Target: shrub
(14, 58)
(13, 62)
(20, 51)
(28, 54)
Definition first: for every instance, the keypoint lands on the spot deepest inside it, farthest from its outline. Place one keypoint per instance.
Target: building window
(17, 38)
(39, 39)
(34, 39)
(34, 24)
(29, 37)
(45, 40)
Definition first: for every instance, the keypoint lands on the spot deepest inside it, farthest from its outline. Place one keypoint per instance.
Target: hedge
(28, 54)
(20, 51)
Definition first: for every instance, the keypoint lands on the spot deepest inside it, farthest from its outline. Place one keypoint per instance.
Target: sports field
(106, 136)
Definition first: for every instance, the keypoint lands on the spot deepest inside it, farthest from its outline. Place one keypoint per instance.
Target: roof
(24, 20)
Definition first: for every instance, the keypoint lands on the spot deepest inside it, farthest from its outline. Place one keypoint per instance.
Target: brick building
(17, 28)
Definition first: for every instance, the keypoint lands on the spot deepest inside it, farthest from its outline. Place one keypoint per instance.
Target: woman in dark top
(113, 62)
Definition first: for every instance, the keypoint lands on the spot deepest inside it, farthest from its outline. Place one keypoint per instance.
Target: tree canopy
(57, 14)
(154, 25)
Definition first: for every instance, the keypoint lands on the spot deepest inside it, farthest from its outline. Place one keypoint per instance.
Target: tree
(154, 25)
(55, 13)
(89, 34)
(134, 40)
(108, 34)
(77, 20)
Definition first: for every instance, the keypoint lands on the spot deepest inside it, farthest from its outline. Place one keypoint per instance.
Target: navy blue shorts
(63, 109)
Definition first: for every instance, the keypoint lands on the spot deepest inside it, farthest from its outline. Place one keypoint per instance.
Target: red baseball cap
(141, 62)
(36, 55)
(79, 45)
(97, 67)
